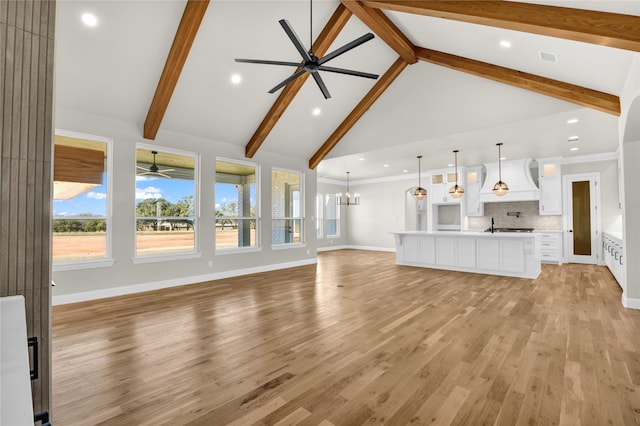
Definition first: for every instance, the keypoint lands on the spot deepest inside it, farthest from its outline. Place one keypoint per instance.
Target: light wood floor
(355, 341)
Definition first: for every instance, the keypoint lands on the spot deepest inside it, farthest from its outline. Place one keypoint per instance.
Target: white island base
(506, 254)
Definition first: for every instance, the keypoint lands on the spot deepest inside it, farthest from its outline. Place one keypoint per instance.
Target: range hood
(517, 175)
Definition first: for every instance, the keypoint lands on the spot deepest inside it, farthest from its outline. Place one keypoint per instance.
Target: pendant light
(347, 200)
(420, 192)
(500, 188)
(456, 190)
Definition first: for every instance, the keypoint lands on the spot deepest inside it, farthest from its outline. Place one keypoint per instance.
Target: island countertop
(514, 254)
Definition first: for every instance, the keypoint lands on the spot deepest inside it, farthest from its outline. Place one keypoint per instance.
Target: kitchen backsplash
(529, 217)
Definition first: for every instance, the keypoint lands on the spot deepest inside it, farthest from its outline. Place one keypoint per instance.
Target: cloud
(144, 178)
(217, 205)
(148, 192)
(96, 195)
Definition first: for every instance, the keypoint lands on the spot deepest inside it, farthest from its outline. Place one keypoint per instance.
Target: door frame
(596, 226)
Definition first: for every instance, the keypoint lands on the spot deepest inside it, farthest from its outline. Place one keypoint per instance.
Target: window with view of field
(236, 203)
(166, 202)
(287, 208)
(80, 220)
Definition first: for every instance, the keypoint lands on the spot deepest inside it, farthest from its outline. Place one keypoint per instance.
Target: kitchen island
(509, 254)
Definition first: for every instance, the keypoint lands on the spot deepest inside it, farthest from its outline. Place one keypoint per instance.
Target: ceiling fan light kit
(311, 63)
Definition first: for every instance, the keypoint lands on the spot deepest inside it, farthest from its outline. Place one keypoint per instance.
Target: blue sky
(95, 201)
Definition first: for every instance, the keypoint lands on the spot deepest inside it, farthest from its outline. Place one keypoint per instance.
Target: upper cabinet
(550, 182)
(441, 181)
(473, 206)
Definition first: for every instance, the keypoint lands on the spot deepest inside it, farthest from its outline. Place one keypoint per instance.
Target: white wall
(630, 148)
(341, 241)
(113, 280)
(381, 212)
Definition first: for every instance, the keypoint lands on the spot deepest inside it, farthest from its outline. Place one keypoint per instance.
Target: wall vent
(549, 57)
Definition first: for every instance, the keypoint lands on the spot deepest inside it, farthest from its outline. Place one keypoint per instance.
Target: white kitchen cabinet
(551, 247)
(441, 181)
(473, 206)
(550, 183)
(613, 257)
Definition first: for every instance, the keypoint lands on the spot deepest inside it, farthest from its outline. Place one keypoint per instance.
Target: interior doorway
(415, 212)
(581, 194)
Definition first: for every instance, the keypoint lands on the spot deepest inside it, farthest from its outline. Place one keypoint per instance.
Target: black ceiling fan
(153, 169)
(311, 63)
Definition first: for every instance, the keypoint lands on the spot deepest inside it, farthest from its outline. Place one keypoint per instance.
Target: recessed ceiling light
(316, 111)
(572, 120)
(573, 138)
(405, 171)
(236, 79)
(89, 19)
(506, 44)
(450, 165)
(385, 165)
(360, 159)
(575, 148)
(503, 158)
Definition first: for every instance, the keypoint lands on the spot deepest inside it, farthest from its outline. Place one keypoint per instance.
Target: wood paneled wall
(26, 130)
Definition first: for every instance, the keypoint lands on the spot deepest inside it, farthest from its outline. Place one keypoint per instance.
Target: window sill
(165, 257)
(82, 264)
(333, 236)
(222, 252)
(288, 246)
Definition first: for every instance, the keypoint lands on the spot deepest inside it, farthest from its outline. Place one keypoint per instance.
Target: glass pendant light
(500, 188)
(456, 190)
(349, 199)
(420, 192)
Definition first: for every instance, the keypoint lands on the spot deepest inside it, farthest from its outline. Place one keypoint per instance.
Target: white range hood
(517, 175)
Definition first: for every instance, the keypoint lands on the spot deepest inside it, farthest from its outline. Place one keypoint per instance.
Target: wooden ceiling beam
(363, 106)
(557, 89)
(326, 38)
(603, 28)
(382, 26)
(185, 35)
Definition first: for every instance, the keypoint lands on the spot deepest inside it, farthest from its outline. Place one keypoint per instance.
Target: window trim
(257, 218)
(160, 257)
(337, 218)
(320, 229)
(107, 260)
(303, 241)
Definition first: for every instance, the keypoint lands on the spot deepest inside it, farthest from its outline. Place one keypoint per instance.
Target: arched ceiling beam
(589, 26)
(185, 35)
(557, 89)
(378, 89)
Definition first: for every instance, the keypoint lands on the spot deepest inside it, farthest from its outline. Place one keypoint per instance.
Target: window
(332, 216)
(287, 207)
(81, 200)
(166, 201)
(319, 214)
(236, 199)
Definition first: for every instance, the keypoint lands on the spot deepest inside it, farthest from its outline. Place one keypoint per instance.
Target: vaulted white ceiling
(113, 69)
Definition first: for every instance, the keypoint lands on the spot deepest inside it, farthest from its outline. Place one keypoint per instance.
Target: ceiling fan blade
(287, 81)
(166, 170)
(321, 85)
(142, 168)
(339, 51)
(349, 72)
(163, 175)
(260, 61)
(295, 39)
(144, 173)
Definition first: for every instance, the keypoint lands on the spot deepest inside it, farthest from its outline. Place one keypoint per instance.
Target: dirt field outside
(69, 246)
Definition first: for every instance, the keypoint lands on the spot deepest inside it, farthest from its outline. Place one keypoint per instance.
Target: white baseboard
(370, 248)
(64, 299)
(627, 302)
